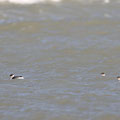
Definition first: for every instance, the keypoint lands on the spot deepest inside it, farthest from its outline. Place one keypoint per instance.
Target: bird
(118, 77)
(12, 76)
(103, 74)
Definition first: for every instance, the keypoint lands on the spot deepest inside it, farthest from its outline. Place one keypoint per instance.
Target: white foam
(24, 1)
(57, 1)
(93, 1)
(106, 1)
(28, 1)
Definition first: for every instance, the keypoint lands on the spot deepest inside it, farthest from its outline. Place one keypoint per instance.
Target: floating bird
(103, 74)
(12, 76)
(118, 77)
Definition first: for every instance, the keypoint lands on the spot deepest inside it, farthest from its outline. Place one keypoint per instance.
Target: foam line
(28, 1)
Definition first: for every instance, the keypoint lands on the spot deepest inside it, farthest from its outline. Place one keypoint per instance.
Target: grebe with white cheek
(12, 76)
(103, 74)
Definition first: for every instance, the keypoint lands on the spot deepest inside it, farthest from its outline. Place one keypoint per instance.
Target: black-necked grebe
(103, 74)
(118, 77)
(12, 76)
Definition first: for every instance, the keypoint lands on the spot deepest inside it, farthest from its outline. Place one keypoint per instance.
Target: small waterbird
(12, 76)
(118, 77)
(103, 74)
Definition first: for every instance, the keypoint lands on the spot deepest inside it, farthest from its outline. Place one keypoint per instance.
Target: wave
(28, 1)
(55, 1)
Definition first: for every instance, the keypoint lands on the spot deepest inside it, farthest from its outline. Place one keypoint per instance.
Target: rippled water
(60, 49)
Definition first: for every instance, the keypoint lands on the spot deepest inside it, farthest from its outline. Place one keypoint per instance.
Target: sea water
(60, 47)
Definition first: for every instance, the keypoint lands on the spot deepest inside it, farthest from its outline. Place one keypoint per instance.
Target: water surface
(60, 48)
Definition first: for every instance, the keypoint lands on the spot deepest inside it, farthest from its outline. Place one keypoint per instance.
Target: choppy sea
(60, 47)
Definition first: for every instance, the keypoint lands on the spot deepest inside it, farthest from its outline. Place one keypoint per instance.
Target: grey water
(60, 49)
